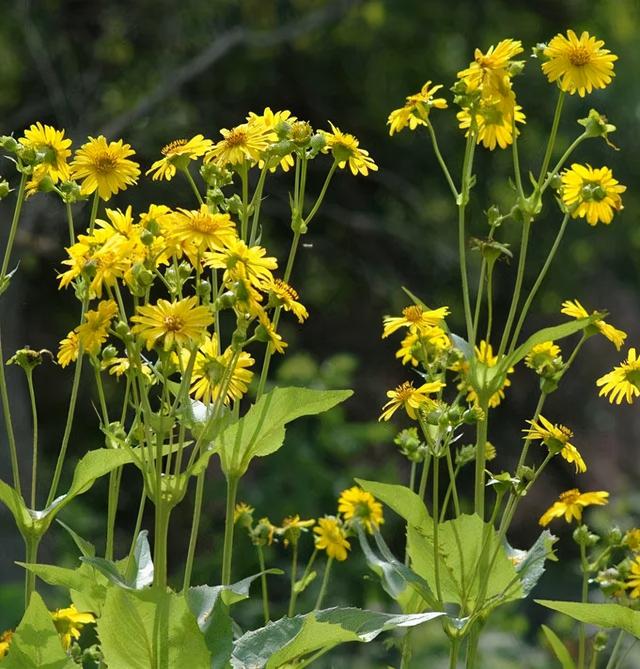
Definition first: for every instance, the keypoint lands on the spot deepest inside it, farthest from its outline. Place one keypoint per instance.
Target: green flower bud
(109, 353)
(5, 189)
(147, 237)
(317, 143)
(600, 641)
(28, 359)
(8, 143)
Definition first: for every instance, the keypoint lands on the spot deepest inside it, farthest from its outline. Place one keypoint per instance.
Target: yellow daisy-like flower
(497, 59)
(485, 356)
(632, 539)
(268, 333)
(574, 309)
(5, 643)
(415, 318)
(69, 623)
(556, 439)
(331, 537)
(245, 142)
(286, 296)
(277, 122)
(494, 124)
(633, 580)
(292, 527)
(119, 366)
(355, 503)
(69, 349)
(242, 511)
(570, 505)
(542, 356)
(623, 383)
(427, 345)
(199, 230)
(95, 330)
(410, 398)
(346, 149)
(243, 262)
(211, 373)
(104, 166)
(111, 262)
(177, 155)
(55, 147)
(180, 323)
(591, 193)
(416, 109)
(578, 64)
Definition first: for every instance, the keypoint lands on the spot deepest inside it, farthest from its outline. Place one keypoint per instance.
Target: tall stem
(263, 584)
(443, 165)
(112, 508)
(462, 242)
(552, 140)
(34, 449)
(193, 185)
(195, 526)
(454, 650)
(481, 441)
(163, 513)
(94, 211)
(8, 424)
(72, 235)
(227, 551)
(582, 638)
(13, 229)
(325, 582)
(31, 546)
(294, 570)
(436, 554)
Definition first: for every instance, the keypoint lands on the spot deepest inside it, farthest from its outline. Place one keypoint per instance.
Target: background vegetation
(151, 71)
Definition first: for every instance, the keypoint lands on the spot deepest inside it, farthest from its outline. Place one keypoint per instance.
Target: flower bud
(28, 359)
(317, 143)
(8, 143)
(109, 353)
(5, 189)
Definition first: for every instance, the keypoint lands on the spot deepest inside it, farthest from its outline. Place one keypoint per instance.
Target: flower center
(236, 138)
(173, 323)
(202, 223)
(173, 147)
(412, 314)
(570, 496)
(214, 371)
(105, 163)
(579, 56)
(405, 391)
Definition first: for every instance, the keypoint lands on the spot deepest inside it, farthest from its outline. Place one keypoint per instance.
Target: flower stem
(112, 508)
(31, 545)
(94, 211)
(195, 525)
(11, 437)
(481, 441)
(227, 551)
(552, 140)
(325, 582)
(34, 450)
(463, 199)
(72, 236)
(263, 584)
(14, 228)
(163, 513)
(454, 650)
(294, 570)
(443, 165)
(582, 640)
(193, 185)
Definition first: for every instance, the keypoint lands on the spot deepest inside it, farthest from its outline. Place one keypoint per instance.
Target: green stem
(244, 222)
(536, 414)
(538, 282)
(94, 212)
(138, 525)
(34, 449)
(479, 296)
(435, 500)
(582, 640)
(443, 165)
(572, 147)
(11, 437)
(263, 583)
(454, 651)
(516, 157)
(115, 478)
(227, 551)
(318, 202)
(472, 647)
(14, 228)
(31, 546)
(405, 657)
(256, 201)
(462, 247)
(614, 653)
(489, 302)
(481, 441)
(193, 185)
(195, 526)
(323, 587)
(72, 235)
(452, 488)
(552, 140)
(161, 538)
(294, 569)
(424, 475)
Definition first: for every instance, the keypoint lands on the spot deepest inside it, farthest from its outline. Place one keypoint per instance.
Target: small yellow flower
(105, 167)
(177, 155)
(5, 643)
(495, 62)
(591, 193)
(355, 503)
(427, 345)
(292, 527)
(556, 439)
(542, 357)
(632, 540)
(623, 382)
(119, 366)
(180, 323)
(578, 64)
(346, 149)
(245, 142)
(277, 122)
(55, 147)
(286, 296)
(633, 580)
(415, 318)
(410, 398)
(494, 123)
(571, 503)
(69, 623)
(416, 109)
(574, 309)
(111, 261)
(243, 513)
(269, 334)
(243, 262)
(485, 356)
(199, 230)
(95, 330)
(331, 537)
(69, 349)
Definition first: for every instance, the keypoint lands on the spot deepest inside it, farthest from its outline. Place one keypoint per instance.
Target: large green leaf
(262, 430)
(402, 500)
(601, 615)
(36, 644)
(559, 649)
(150, 629)
(283, 642)
(530, 564)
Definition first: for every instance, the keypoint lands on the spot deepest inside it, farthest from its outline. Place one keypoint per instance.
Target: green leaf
(282, 642)
(530, 564)
(16, 505)
(150, 628)
(558, 648)
(601, 615)
(262, 430)
(85, 547)
(139, 573)
(36, 644)
(402, 500)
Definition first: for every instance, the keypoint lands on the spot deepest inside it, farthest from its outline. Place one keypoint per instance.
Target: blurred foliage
(151, 71)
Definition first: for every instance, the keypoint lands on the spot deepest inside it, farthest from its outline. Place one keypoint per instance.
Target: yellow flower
(55, 147)
(330, 536)
(556, 439)
(177, 155)
(5, 643)
(286, 296)
(632, 539)
(104, 166)
(574, 309)
(633, 580)
(495, 62)
(292, 527)
(199, 230)
(623, 382)
(346, 149)
(211, 373)
(245, 142)
(180, 323)
(591, 193)
(69, 349)
(243, 262)
(119, 366)
(277, 122)
(415, 318)
(69, 623)
(416, 109)
(578, 64)
(268, 333)
(243, 511)
(494, 121)
(427, 346)
(484, 355)
(571, 503)
(95, 330)
(355, 503)
(542, 357)
(111, 262)
(410, 398)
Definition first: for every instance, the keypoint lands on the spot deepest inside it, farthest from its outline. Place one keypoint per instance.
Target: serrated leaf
(600, 615)
(560, 650)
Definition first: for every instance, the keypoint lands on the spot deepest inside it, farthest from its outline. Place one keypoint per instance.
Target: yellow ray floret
(574, 309)
(570, 505)
(623, 383)
(591, 193)
(556, 438)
